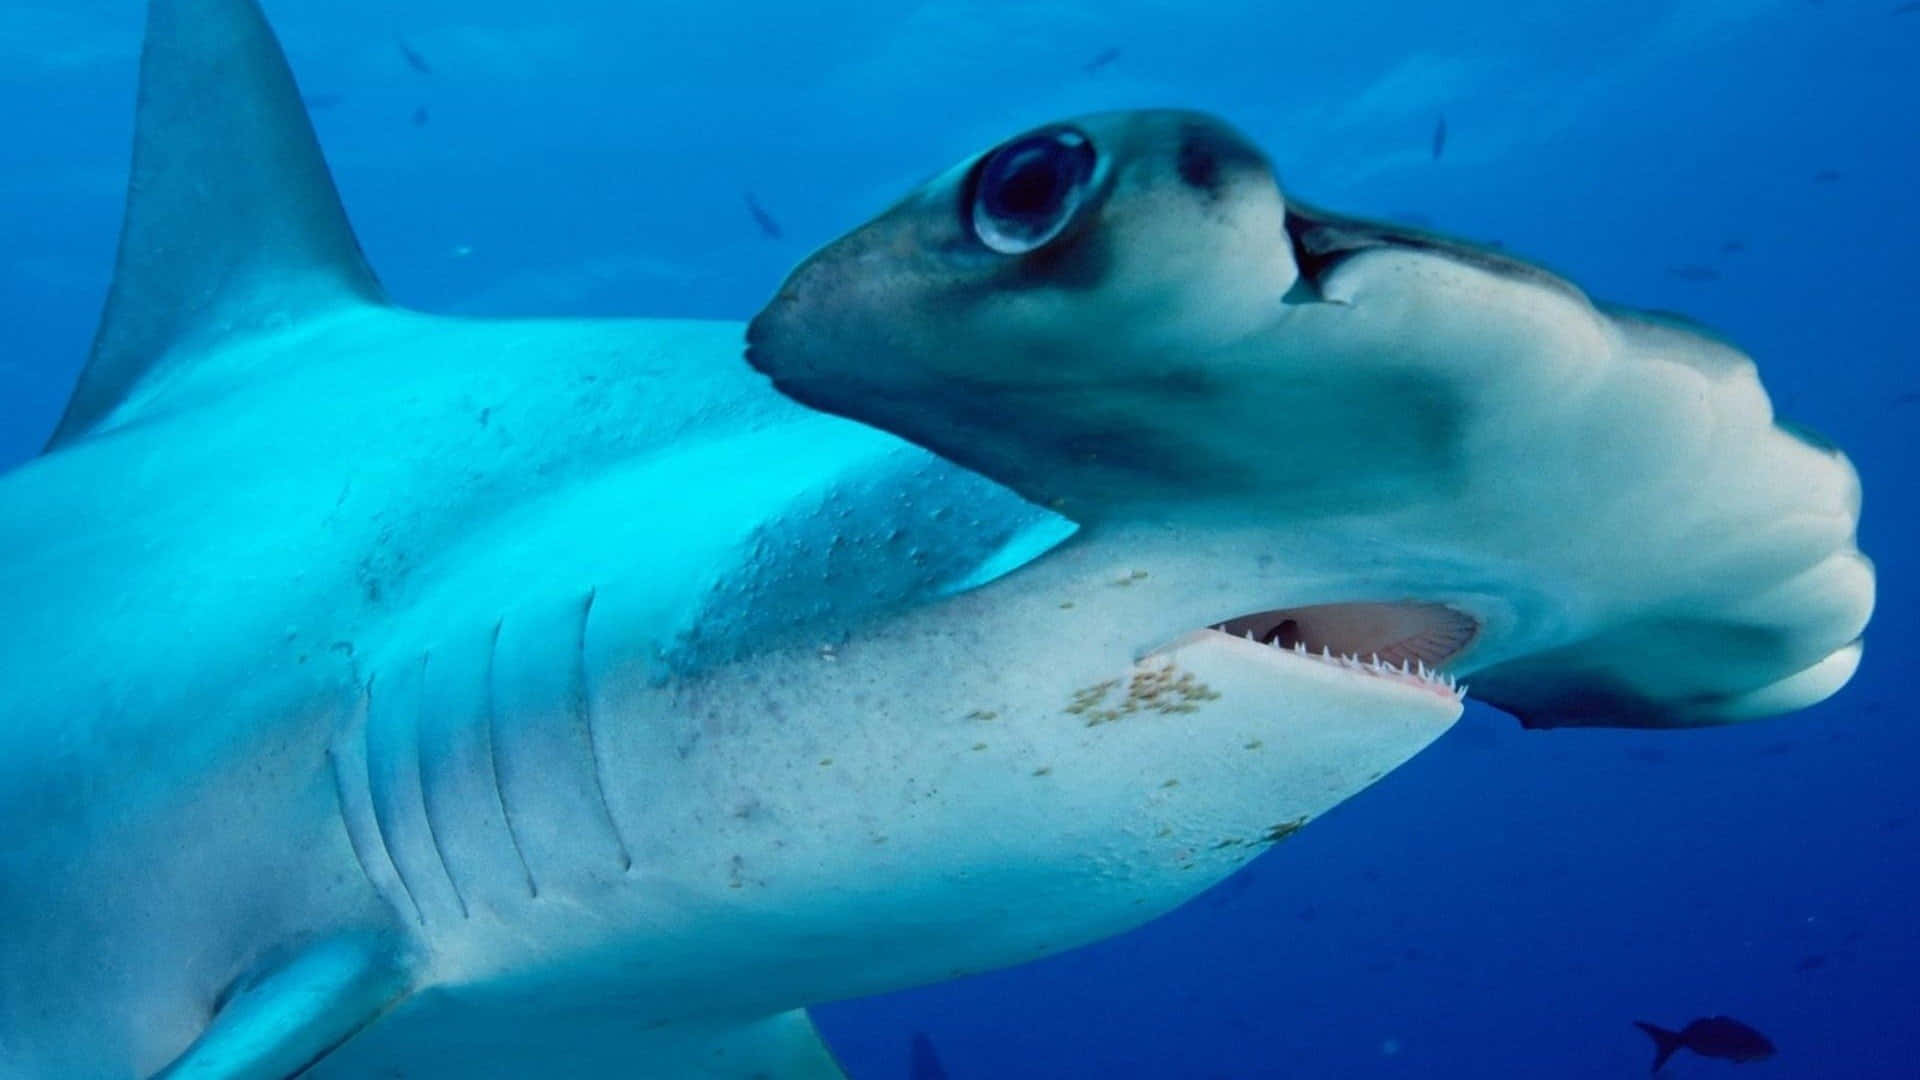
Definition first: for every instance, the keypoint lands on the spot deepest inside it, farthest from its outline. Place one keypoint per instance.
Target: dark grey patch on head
(1323, 240)
(1208, 155)
(1198, 166)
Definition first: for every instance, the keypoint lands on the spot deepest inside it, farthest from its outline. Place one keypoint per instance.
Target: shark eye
(1025, 192)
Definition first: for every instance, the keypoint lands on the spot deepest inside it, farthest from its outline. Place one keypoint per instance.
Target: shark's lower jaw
(1405, 642)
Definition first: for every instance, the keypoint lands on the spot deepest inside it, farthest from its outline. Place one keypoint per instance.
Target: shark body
(391, 694)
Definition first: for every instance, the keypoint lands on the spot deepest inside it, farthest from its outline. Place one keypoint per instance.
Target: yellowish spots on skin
(826, 761)
(1253, 745)
(1163, 690)
(979, 746)
(1085, 698)
(1043, 770)
(1171, 784)
(1129, 578)
(1065, 604)
(982, 714)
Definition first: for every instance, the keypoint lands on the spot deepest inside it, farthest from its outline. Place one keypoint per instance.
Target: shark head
(1428, 451)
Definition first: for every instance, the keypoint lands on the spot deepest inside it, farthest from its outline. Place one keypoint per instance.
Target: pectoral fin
(278, 1021)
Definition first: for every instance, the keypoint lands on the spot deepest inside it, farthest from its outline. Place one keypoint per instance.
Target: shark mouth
(1407, 642)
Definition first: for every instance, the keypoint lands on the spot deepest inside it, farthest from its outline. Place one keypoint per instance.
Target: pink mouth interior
(1395, 634)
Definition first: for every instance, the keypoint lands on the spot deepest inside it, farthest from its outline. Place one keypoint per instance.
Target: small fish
(1813, 962)
(1720, 1037)
(763, 219)
(1733, 246)
(1693, 272)
(414, 59)
(420, 116)
(1439, 138)
(1826, 176)
(316, 102)
(1101, 59)
(922, 1062)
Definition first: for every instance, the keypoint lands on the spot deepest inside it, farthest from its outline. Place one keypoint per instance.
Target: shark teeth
(1415, 672)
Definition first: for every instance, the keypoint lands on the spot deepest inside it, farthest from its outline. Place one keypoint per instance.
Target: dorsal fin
(232, 222)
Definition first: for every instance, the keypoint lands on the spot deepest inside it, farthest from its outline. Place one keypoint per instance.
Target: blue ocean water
(1509, 902)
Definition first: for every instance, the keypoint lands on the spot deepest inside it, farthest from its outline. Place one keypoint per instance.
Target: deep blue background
(1507, 903)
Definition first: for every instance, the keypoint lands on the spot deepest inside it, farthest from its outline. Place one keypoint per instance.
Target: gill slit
(583, 705)
(426, 804)
(340, 804)
(379, 819)
(493, 758)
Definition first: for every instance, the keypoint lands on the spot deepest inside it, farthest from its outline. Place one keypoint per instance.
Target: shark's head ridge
(1125, 318)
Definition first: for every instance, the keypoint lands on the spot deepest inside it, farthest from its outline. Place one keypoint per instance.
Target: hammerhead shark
(391, 694)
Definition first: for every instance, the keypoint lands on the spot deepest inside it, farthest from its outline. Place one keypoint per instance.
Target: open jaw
(1409, 642)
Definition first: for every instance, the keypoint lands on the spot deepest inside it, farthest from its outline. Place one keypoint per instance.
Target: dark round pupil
(1029, 182)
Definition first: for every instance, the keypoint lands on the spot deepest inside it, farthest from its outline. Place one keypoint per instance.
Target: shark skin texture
(1124, 318)
(390, 694)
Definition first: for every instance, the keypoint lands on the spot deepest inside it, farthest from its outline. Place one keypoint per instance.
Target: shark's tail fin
(1664, 1043)
(232, 223)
